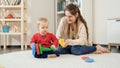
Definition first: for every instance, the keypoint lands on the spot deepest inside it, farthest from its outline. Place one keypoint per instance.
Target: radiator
(113, 30)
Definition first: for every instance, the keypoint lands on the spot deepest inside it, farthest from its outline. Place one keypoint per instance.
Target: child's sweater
(45, 40)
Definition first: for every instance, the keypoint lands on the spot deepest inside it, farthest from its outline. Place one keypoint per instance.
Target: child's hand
(54, 47)
(30, 45)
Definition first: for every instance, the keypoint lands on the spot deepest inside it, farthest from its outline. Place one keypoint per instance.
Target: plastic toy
(33, 48)
(42, 49)
(6, 28)
(2, 67)
(10, 16)
(39, 49)
(87, 59)
(61, 42)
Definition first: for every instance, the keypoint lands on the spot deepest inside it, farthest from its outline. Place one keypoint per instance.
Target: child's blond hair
(42, 19)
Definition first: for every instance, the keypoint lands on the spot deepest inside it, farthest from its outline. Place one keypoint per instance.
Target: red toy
(10, 16)
(37, 49)
(84, 57)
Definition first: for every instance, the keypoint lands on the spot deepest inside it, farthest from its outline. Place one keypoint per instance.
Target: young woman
(73, 29)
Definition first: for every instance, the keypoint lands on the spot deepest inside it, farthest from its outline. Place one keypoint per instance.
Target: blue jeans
(76, 50)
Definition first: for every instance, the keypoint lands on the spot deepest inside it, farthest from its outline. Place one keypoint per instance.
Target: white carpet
(24, 59)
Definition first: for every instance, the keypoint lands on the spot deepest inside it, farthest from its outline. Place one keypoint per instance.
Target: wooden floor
(10, 49)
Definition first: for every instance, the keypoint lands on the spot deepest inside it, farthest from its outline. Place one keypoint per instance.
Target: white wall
(87, 14)
(40, 8)
(103, 10)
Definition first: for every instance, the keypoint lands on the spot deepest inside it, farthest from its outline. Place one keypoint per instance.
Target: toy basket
(5, 28)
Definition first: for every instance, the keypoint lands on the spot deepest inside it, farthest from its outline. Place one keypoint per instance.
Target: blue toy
(89, 60)
(33, 48)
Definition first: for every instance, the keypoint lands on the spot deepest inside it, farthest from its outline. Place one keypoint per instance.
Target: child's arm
(55, 42)
(33, 40)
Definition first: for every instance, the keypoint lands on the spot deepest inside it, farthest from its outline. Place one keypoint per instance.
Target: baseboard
(14, 46)
(100, 44)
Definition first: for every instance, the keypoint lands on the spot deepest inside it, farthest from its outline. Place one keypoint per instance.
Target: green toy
(45, 49)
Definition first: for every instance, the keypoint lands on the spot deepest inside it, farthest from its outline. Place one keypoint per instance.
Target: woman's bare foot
(97, 52)
(52, 56)
(104, 50)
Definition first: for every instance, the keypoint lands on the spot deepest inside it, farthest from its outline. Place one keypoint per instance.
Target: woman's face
(70, 18)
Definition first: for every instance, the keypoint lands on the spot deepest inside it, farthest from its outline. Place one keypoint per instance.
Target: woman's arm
(82, 40)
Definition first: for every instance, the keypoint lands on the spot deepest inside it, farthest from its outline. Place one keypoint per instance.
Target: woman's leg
(102, 49)
(66, 50)
(79, 50)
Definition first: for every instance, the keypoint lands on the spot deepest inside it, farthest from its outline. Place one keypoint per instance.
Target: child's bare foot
(52, 56)
(104, 50)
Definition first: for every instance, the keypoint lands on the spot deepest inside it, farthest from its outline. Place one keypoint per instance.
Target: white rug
(24, 59)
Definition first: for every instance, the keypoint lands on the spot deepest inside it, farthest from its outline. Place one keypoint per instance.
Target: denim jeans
(76, 50)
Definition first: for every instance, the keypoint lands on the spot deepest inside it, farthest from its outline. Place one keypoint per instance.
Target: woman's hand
(67, 42)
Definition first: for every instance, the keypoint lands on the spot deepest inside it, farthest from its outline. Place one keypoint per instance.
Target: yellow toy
(2, 67)
(61, 42)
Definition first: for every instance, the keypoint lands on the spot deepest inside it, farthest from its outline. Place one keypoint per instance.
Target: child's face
(43, 27)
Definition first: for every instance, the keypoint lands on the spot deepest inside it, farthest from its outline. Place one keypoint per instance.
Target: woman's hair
(74, 9)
